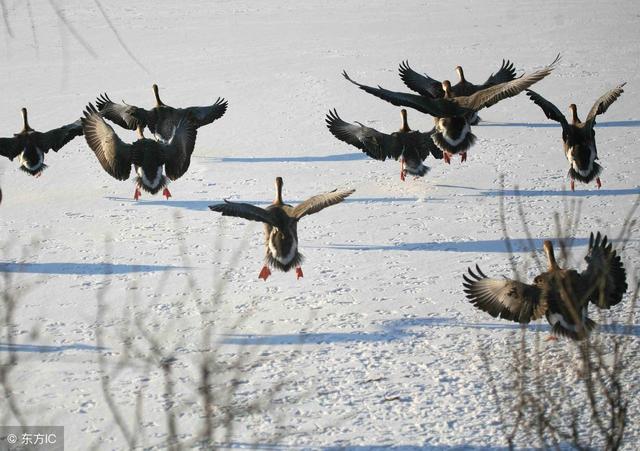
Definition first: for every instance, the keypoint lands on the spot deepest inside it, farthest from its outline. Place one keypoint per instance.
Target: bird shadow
(41, 349)
(203, 205)
(546, 193)
(519, 245)
(400, 329)
(604, 124)
(62, 268)
(352, 156)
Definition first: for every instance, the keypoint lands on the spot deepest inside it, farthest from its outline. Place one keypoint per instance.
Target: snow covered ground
(376, 345)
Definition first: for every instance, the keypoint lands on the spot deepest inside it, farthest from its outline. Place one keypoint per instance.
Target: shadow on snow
(81, 268)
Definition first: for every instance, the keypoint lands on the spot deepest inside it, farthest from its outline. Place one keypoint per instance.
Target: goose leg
(573, 185)
(38, 174)
(137, 193)
(299, 272)
(598, 182)
(551, 338)
(447, 157)
(264, 273)
(403, 171)
(166, 193)
(463, 157)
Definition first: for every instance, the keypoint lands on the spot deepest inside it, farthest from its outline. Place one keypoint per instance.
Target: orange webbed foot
(299, 272)
(264, 273)
(136, 194)
(598, 182)
(166, 193)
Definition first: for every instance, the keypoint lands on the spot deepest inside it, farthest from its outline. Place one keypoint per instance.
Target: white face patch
(145, 180)
(284, 259)
(25, 163)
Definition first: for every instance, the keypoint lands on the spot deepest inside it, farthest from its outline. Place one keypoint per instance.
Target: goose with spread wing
(427, 86)
(579, 137)
(562, 295)
(161, 119)
(452, 130)
(281, 225)
(410, 146)
(30, 145)
(148, 157)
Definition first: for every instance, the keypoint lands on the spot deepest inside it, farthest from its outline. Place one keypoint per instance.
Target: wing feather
(504, 298)
(113, 154)
(604, 102)
(316, 203)
(605, 278)
(246, 211)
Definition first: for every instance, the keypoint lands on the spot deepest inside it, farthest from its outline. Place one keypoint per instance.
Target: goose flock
(561, 295)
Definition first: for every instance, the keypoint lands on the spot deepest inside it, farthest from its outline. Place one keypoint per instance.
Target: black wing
(203, 115)
(246, 211)
(179, 149)
(118, 113)
(113, 154)
(605, 278)
(504, 298)
(422, 84)
(55, 139)
(377, 145)
(431, 106)
(506, 73)
(603, 103)
(11, 147)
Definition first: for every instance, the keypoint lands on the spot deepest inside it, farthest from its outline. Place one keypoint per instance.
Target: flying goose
(148, 156)
(161, 119)
(428, 87)
(562, 295)
(579, 137)
(410, 146)
(453, 132)
(281, 225)
(31, 145)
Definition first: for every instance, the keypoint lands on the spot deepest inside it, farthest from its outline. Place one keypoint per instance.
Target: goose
(410, 146)
(31, 145)
(281, 225)
(161, 119)
(148, 156)
(579, 137)
(427, 86)
(453, 133)
(562, 295)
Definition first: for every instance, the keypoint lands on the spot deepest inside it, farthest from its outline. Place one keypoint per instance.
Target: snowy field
(376, 346)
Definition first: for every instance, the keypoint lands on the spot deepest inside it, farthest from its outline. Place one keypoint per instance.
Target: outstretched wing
(11, 147)
(605, 278)
(203, 115)
(434, 107)
(377, 145)
(246, 211)
(179, 149)
(55, 139)
(504, 298)
(549, 109)
(422, 84)
(113, 154)
(490, 96)
(506, 73)
(603, 103)
(316, 203)
(118, 113)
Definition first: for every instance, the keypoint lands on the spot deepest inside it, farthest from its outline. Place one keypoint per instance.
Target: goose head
(551, 258)
(574, 114)
(460, 73)
(278, 199)
(446, 87)
(157, 96)
(25, 120)
(405, 123)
